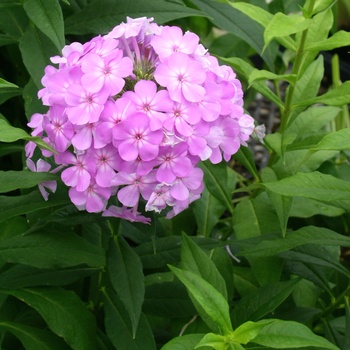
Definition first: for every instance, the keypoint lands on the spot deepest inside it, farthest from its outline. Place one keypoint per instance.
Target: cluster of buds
(132, 113)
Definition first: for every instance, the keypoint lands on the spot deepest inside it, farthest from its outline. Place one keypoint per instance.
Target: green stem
(295, 70)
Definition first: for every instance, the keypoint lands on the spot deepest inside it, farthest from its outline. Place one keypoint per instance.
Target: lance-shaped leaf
(65, 314)
(305, 235)
(119, 328)
(339, 39)
(12, 180)
(196, 260)
(288, 334)
(184, 342)
(9, 133)
(8, 90)
(49, 250)
(282, 25)
(47, 16)
(34, 338)
(335, 97)
(210, 300)
(100, 16)
(125, 271)
(262, 301)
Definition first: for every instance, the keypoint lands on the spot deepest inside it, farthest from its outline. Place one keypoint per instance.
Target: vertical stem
(295, 70)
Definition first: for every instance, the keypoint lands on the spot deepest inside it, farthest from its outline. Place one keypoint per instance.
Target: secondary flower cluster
(132, 113)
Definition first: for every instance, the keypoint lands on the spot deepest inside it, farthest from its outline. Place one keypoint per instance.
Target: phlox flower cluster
(132, 113)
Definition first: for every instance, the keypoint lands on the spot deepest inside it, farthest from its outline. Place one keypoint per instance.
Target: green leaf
(305, 235)
(262, 301)
(36, 50)
(215, 341)
(7, 85)
(262, 74)
(312, 120)
(125, 271)
(21, 276)
(196, 260)
(337, 140)
(263, 17)
(336, 97)
(119, 329)
(234, 21)
(184, 342)
(100, 16)
(50, 250)
(245, 157)
(47, 16)
(316, 255)
(288, 334)
(166, 250)
(282, 25)
(12, 180)
(339, 39)
(249, 330)
(64, 313)
(34, 338)
(313, 185)
(263, 219)
(210, 300)
(306, 207)
(208, 211)
(308, 85)
(11, 206)
(244, 68)
(13, 21)
(282, 204)
(9, 133)
(168, 299)
(220, 182)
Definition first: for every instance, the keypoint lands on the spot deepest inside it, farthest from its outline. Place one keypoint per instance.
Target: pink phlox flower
(107, 161)
(173, 163)
(85, 137)
(42, 167)
(149, 101)
(180, 206)
(42, 93)
(105, 72)
(131, 28)
(213, 140)
(138, 166)
(93, 199)
(160, 198)
(58, 128)
(126, 213)
(247, 127)
(83, 106)
(79, 174)
(230, 142)
(29, 149)
(197, 141)
(171, 39)
(182, 76)
(36, 123)
(137, 139)
(113, 113)
(183, 186)
(182, 117)
(59, 83)
(134, 186)
(210, 106)
(259, 133)
(70, 55)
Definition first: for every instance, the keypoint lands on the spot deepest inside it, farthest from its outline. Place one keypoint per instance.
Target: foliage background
(264, 245)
